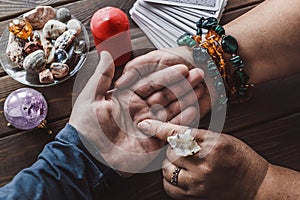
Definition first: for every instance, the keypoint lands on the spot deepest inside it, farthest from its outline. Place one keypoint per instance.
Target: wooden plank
(21, 150)
(237, 4)
(278, 144)
(276, 140)
(12, 8)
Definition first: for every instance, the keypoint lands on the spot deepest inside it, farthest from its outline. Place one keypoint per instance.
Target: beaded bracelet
(235, 84)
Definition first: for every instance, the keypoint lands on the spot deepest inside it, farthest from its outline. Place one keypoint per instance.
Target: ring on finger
(174, 177)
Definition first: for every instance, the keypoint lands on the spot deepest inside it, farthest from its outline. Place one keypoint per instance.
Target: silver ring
(175, 174)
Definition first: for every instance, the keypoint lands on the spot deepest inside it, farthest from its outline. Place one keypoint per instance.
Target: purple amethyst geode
(25, 108)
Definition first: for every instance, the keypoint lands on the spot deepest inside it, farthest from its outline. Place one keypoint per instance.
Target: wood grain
(269, 122)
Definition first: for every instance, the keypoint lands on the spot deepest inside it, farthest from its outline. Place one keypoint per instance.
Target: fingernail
(144, 126)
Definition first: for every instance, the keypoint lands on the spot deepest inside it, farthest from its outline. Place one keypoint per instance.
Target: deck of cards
(163, 21)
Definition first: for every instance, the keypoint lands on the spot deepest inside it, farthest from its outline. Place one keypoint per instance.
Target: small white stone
(53, 29)
(75, 25)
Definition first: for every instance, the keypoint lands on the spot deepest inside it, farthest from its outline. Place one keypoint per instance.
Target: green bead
(200, 55)
(222, 99)
(242, 91)
(191, 43)
(212, 69)
(219, 29)
(211, 66)
(209, 22)
(229, 44)
(219, 86)
(237, 62)
(199, 22)
(199, 31)
(213, 74)
(184, 39)
(240, 77)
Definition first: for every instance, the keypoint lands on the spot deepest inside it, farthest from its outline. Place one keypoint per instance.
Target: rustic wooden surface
(269, 123)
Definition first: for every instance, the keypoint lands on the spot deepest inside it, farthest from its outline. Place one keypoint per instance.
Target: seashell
(35, 61)
(15, 51)
(40, 16)
(63, 14)
(32, 46)
(64, 40)
(75, 25)
(46, 76)
(59, 70)
(53, 29)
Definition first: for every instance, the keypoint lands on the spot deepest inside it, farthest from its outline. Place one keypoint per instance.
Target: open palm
(107, 120)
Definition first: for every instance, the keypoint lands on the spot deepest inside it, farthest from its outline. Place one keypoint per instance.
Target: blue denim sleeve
(64, 170)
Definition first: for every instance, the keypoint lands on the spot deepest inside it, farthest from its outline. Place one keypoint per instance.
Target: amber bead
(197, 38)
(211, 50)
(212, 35)
(20, 28)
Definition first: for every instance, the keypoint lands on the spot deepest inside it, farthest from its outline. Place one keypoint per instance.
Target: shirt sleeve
(64, 170)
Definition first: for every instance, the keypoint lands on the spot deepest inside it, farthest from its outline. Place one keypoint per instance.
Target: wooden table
(269, 123)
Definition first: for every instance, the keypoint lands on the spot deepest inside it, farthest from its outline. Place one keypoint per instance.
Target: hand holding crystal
(224, 167)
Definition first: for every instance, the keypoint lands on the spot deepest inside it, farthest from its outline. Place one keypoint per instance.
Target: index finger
(163, 130)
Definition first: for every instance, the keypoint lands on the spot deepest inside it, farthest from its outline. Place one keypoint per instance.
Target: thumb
(163, 130)
(101, 80)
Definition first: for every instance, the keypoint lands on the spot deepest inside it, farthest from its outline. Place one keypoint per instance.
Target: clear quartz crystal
(184, 144)
(80, 47)
(25, 108)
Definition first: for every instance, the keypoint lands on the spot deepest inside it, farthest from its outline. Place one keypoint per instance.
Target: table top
(269, 123)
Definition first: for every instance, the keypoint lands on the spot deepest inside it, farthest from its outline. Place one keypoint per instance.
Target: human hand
(225, 167)
(107, 120)
(161, 59)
